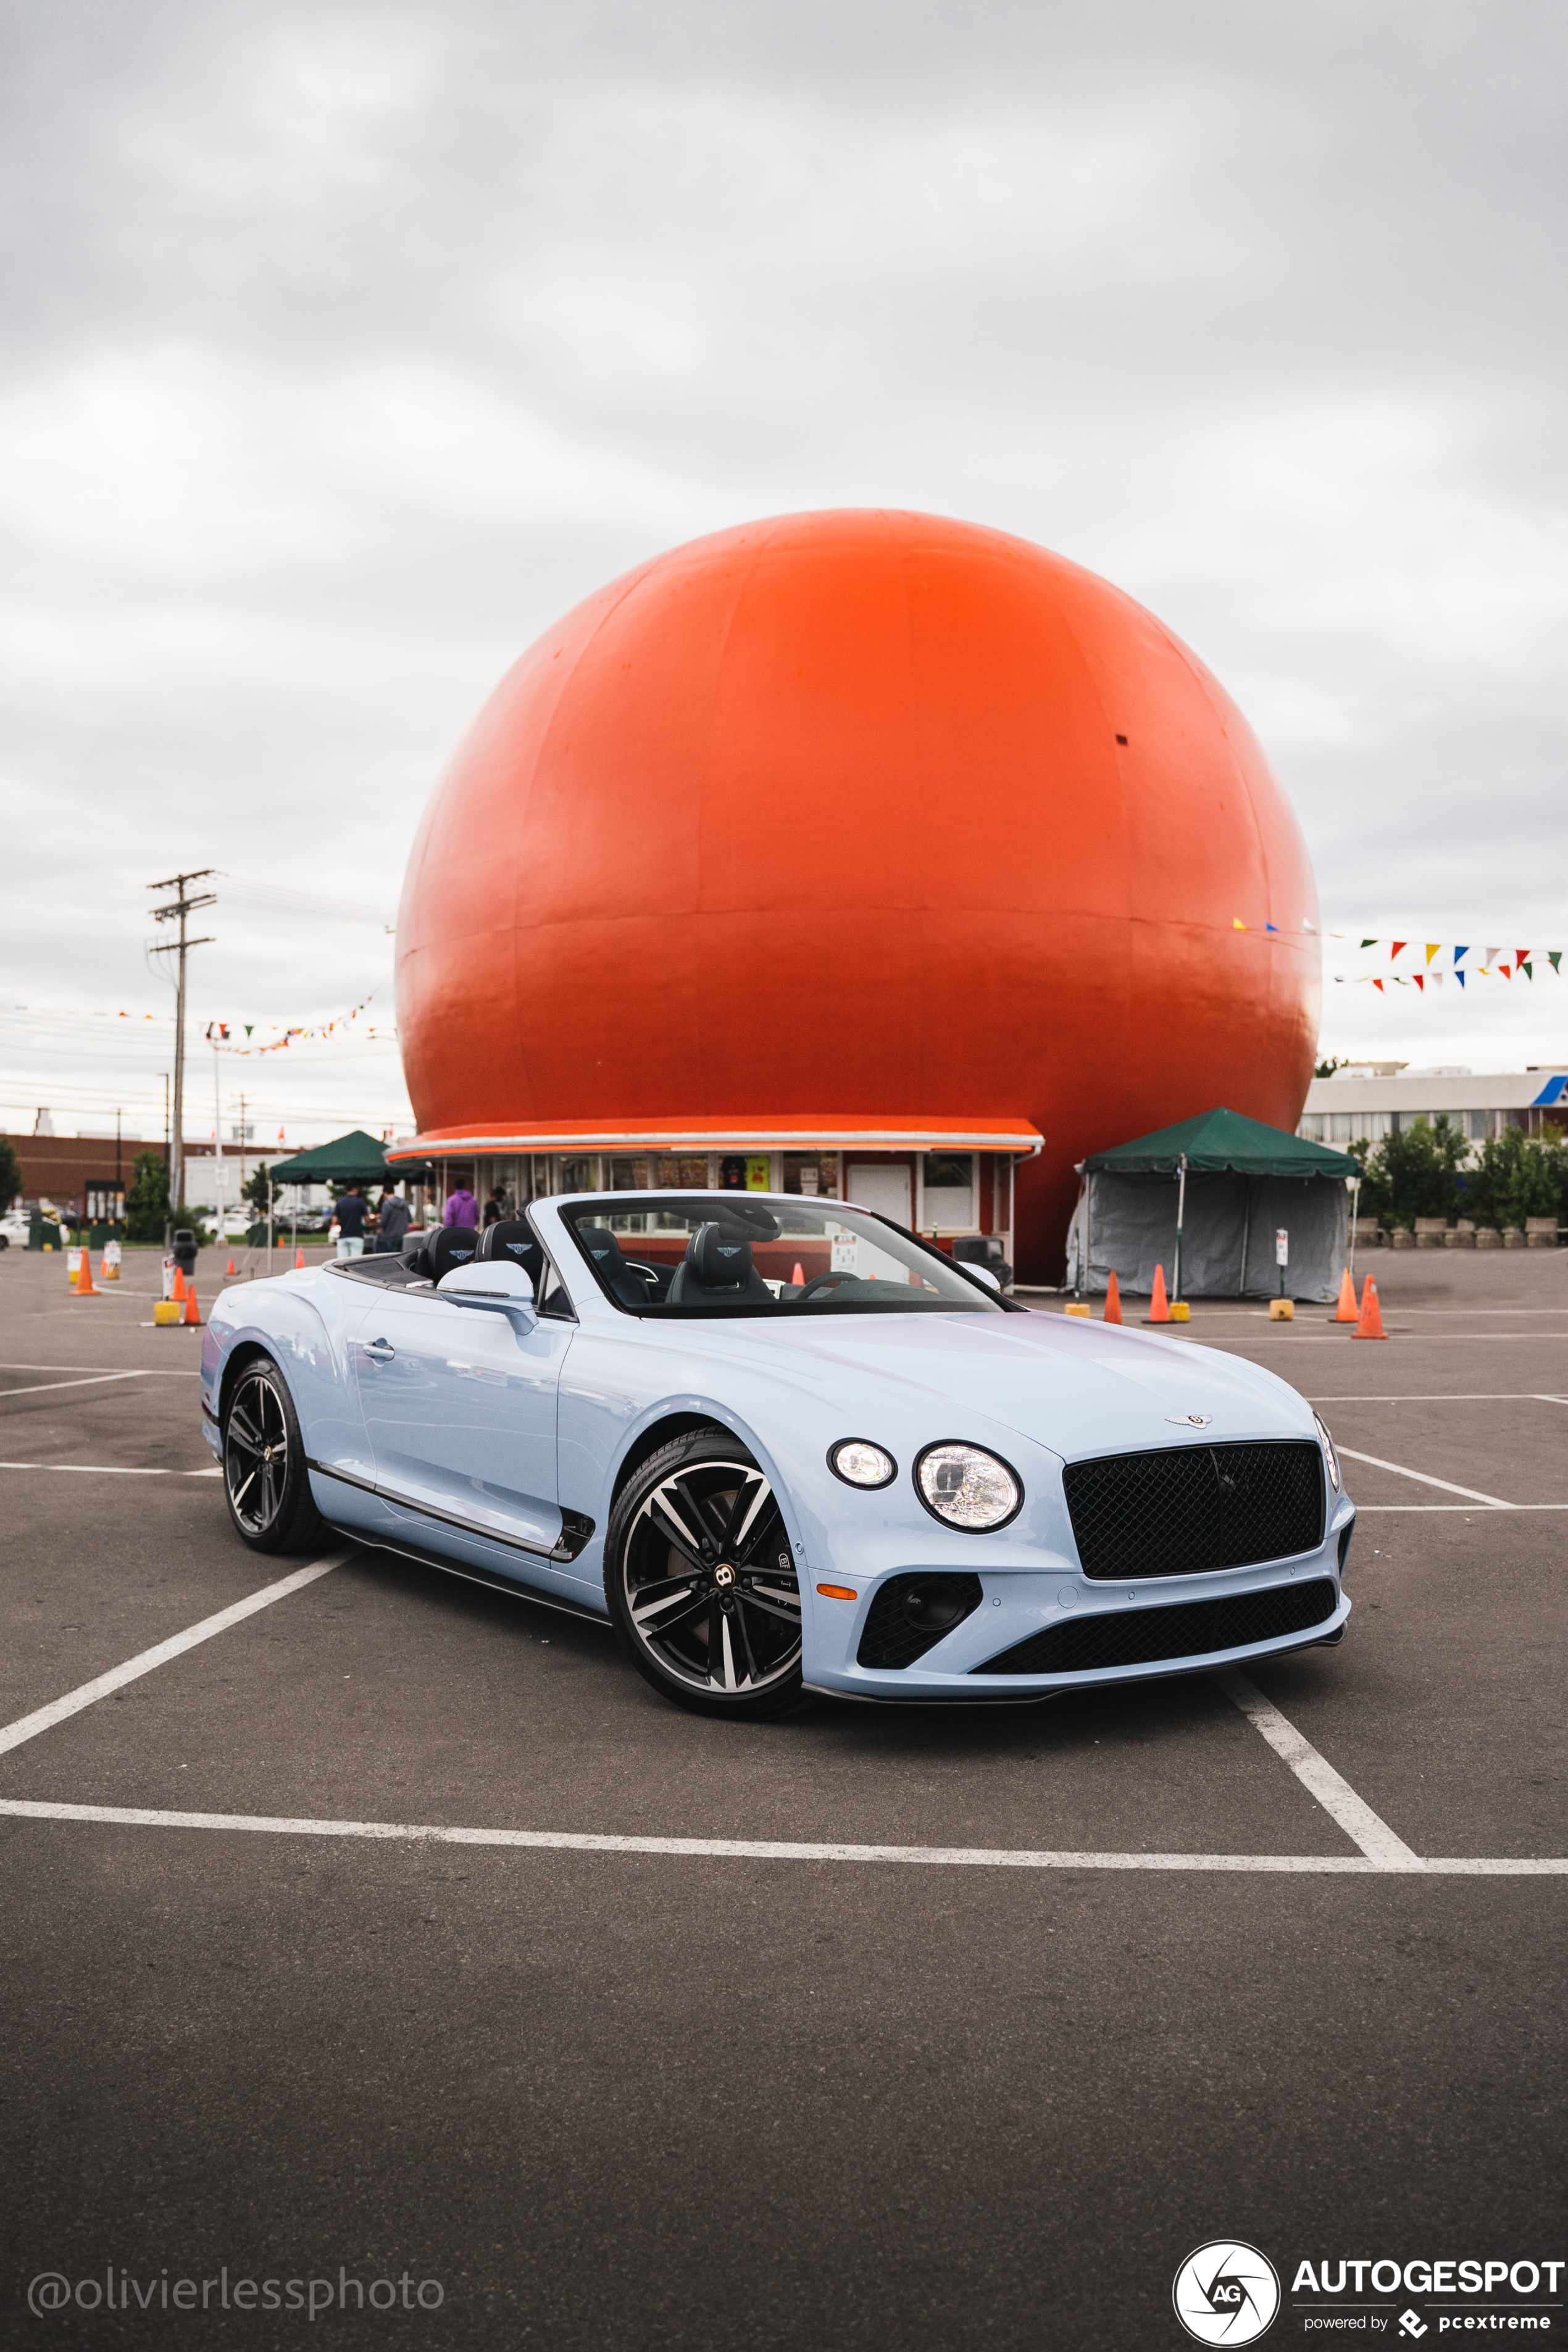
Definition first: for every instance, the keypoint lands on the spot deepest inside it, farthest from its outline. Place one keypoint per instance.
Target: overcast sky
(342, 348)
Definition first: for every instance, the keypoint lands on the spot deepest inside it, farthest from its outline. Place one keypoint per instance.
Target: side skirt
(492, 1580)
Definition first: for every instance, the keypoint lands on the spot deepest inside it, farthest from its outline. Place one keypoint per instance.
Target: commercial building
(1371, 1099)
(868, 851)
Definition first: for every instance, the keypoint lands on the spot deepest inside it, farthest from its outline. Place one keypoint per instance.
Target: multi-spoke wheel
(701, 1580)
(264, 1474)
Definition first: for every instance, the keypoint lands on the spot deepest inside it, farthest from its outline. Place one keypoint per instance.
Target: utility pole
(180, 906)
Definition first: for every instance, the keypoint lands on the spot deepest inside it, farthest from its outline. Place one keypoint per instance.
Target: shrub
(1517, 1177)
(1415, 1173)
(147, 1198)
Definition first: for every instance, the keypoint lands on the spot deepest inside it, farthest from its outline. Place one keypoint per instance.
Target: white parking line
(110, 1470)
(1450, 1396)
(90, 1381)
(1445, 1507)
(44, 1718)
(1316, 1774)
(158, 1373)
(1424, 1478)
(778, 1850)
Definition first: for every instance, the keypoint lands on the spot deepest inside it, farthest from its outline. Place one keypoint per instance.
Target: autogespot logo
(1227, 2293)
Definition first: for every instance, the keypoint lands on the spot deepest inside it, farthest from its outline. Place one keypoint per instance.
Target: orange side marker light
(837, 1593)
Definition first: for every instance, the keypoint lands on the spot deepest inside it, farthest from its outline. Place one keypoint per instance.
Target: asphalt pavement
(586, 2096)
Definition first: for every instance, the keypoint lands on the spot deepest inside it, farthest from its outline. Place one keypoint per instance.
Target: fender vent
(911, 1614)
(1187, 1629)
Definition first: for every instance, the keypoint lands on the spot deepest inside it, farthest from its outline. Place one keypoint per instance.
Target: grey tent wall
(1129, 1223)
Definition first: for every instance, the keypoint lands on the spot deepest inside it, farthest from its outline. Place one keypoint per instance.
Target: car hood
(1070, 1385)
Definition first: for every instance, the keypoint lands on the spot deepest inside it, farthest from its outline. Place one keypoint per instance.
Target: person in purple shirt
(462, 1208)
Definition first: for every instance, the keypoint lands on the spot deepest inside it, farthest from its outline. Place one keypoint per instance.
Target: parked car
(782, 1444)
(14, 1228)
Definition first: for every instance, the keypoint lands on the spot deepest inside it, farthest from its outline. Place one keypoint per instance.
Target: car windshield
(763, 1254)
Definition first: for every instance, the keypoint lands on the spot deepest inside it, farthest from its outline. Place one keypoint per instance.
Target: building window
(1311, 1128)
(580, 1175)
(814, 1174)
(947, 1180)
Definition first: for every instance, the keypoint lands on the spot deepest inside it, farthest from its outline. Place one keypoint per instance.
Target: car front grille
(1184, 1509)
(1186, 1629)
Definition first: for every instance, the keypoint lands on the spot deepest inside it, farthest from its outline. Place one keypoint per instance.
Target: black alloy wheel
(264, 1474)
(701, 1581)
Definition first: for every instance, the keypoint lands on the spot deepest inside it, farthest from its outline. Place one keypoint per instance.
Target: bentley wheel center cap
(724, 1577)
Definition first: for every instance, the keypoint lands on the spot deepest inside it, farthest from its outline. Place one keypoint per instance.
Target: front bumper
(1020, 1604)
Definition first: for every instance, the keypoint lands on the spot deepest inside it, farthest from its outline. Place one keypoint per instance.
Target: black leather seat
(718, 1267)
(513, 1238)
(604, 1256)
(449, 1246)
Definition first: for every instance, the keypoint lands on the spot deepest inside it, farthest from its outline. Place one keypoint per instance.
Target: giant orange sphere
(865, 813)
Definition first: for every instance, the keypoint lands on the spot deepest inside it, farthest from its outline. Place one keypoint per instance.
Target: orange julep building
(860, 853)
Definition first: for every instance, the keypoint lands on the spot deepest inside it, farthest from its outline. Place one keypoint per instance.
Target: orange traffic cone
(84, 1283)
(229, 1276)
(179, 1289)
(1112, 1299)
(298, 1256)
(798, 1276)
(1158, 1305)
(190, 1315)
(1346, 1311)
(1370, 1327)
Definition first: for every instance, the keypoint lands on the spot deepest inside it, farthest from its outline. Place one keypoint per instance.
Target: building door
(886, 1189)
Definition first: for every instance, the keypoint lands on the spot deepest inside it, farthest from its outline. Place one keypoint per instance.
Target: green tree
(261, 1193)
(10, 1174)
(147, 1198)
(1516, 1177)
(1415, 1173)
(1335, 1062)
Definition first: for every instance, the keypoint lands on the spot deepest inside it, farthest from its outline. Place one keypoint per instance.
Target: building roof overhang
(820, 1132)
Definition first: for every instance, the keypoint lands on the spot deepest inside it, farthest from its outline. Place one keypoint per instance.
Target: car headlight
(861, 1463)
(1331, 1457)
(966, 1487)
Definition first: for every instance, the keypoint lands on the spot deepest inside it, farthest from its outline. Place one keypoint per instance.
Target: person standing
(349, 1218)
(461, 1209)
(391, 1222)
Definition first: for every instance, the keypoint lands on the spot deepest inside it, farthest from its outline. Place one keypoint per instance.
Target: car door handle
(380, 1352)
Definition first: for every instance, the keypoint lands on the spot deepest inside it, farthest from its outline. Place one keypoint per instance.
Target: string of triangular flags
(224, 1035)
(1464, 963)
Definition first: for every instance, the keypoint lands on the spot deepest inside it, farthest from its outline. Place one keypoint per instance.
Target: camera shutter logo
(1227, 2293)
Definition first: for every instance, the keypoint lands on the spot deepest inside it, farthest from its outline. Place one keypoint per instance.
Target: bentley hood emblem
(1190, 1420)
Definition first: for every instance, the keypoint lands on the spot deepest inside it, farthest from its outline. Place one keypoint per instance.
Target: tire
(265, 1481)
(700, 1583)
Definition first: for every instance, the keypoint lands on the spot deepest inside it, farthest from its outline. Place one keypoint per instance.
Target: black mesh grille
(911, 1614)
(1186, 1508)
(1187, 1629)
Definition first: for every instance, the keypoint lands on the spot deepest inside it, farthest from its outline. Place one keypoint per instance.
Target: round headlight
(861, 1463)
(966, 1487)
(1330, 1455)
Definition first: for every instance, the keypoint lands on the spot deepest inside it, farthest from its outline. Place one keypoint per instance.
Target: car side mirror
(499, 1283)
(983, 1274)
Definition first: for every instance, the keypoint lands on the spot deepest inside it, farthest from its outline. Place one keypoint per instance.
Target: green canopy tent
(1204, 1200)
(353, 1158)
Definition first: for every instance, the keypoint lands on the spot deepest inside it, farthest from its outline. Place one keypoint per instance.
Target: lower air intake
(1187, 1629)
(911, 1614)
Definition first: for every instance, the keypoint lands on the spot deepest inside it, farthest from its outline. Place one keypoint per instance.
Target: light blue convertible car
(781, 1444)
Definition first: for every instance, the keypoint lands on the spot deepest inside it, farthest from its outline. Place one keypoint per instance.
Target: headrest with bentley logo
(720, 1258)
